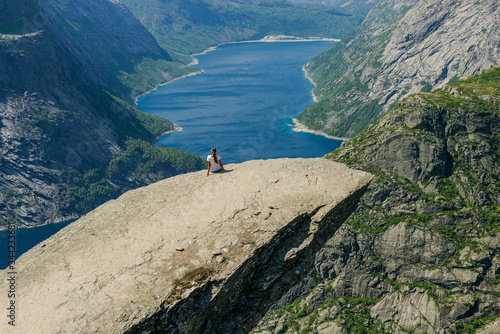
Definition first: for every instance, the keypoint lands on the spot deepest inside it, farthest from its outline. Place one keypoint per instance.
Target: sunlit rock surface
(189, 254)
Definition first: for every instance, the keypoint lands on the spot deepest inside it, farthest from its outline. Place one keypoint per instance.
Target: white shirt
(214, 166)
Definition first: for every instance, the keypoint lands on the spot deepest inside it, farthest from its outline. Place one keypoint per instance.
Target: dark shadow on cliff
(246, 296)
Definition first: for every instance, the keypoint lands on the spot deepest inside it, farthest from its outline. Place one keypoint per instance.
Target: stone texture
(422, 248)
(401, 47)
(490, 328)
(331, 328)
(119, 268)
(408, 308)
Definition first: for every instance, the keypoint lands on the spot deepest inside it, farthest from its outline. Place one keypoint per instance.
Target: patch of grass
(374, 64)
(317, 277)
(152, 123)
(149, 73)
(9, 193)
(357, 318)
(422, 285)
(351, 126)
(453, 80)
(427, 87)
(447, 189)
(463, 327)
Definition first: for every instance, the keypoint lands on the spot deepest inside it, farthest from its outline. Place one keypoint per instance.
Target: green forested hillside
(421, 253)
(344, 108)
(69, 73)
(355, 6)
(402, 47)
(188, 26)
(64, 125)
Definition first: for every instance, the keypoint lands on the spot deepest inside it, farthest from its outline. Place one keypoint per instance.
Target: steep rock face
(57, 115)
(421, 251)
(106, 39)
(402, 47)
(210, 256)
(40, 135)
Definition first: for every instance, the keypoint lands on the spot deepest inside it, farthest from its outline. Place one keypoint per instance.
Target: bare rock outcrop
(402, 47)
(421, 252)
(189, 254)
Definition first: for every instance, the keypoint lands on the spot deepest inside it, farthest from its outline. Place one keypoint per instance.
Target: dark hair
(214, 154)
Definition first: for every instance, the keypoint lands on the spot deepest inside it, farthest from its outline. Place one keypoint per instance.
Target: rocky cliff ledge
(210, 257)
(421, 253)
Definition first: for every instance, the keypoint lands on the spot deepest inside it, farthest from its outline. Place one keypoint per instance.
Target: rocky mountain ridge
(421, 252)
(59, 119)
(157, 260)
(402, 47)
(418, 254)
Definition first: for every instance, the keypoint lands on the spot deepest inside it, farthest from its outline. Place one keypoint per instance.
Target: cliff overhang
(189, 254)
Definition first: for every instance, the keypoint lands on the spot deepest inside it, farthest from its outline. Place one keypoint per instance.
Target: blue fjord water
(26, 238)
(243, 103)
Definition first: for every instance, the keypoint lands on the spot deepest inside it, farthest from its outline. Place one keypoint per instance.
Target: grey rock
(491, 328)
(423, 240)
(467, 277)
(331, 328)
(462, 307)
(401, 46)
(117, 270)
(413, 245)
(410, 309)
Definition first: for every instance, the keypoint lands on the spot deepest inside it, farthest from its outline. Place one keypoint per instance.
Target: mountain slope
(69, 71)
(108, 41)
(193, 25)
(60, 126)
(421, 252)
(402, 47)
(357, 6)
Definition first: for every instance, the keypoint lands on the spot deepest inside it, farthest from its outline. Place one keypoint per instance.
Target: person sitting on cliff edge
(214, 162)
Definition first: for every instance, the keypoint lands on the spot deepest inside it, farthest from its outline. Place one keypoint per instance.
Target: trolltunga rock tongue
(189, 254)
